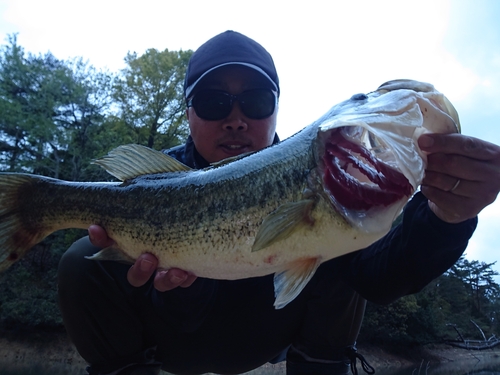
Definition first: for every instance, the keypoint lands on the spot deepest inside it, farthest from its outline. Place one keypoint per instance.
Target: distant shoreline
(55, 348)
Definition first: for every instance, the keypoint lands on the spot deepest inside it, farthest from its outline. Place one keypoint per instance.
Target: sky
(324, 51)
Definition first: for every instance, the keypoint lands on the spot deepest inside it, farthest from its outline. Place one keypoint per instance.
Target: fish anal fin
(130, 161)
(289, 283)
(113, 254)
(284, 221)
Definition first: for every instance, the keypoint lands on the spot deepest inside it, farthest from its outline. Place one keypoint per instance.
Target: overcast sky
(324, 52)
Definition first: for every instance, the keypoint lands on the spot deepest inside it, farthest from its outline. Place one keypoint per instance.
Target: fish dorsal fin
(289, 283)
(130, 161)
(281, 223)
(114, 254)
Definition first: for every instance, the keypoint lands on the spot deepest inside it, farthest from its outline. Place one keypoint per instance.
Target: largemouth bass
(333, 188)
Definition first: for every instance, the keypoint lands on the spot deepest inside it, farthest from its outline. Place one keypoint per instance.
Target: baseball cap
(229, 48)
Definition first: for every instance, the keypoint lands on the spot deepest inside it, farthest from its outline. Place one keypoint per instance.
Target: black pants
(213, 326)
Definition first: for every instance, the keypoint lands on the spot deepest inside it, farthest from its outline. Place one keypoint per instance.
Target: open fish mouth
(359, 171)
(368, 155)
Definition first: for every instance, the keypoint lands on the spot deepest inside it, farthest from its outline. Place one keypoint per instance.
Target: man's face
(236, 134)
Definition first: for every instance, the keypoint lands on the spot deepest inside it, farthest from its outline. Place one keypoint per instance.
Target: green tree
(30, 90)
(150, 97)
(437, 303)
(85, 121)
(465, 292)
(50, 111)
(481, 290)
(389, 324)
(29, 288)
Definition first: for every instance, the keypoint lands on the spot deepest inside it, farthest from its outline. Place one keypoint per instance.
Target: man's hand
(145, 266)
(462, 175)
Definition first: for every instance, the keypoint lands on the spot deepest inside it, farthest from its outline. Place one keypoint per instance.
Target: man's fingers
(459, 144)
(452, 208)
(189, 281)
(462, 175)
(99, 237)
(458, 186)
(144, 267)
(173, 278)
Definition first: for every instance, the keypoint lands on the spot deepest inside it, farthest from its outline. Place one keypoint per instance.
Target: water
(466, 367)
(469, 367)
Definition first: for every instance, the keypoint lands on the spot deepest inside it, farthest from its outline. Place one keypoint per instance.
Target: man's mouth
(233, 147)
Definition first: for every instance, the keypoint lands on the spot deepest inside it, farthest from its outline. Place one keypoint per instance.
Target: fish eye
(359, 97)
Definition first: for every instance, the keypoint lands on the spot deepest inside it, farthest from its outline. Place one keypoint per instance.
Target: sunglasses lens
(257, 104)
(212, 105)
(215, 105)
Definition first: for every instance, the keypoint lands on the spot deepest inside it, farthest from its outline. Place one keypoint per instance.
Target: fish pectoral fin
(281, 223)
(130, 161)
(114, 254)
(289, 283)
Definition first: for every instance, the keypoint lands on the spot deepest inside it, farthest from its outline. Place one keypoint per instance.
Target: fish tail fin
(16, 238)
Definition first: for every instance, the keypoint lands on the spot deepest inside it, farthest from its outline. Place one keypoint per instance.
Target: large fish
(332, 188)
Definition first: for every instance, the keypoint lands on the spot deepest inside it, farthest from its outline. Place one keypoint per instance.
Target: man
(136, 320)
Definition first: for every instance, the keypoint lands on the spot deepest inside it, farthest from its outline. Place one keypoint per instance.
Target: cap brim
(190, 88)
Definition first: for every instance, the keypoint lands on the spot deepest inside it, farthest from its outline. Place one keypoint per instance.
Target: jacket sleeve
(411, 255)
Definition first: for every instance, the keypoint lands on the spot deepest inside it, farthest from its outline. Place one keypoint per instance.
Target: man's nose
(235, 120)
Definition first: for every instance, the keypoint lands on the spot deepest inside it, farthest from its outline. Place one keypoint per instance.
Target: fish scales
(330, 189)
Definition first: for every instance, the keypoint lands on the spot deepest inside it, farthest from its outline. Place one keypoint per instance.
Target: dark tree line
(56, 116)
(461, 300)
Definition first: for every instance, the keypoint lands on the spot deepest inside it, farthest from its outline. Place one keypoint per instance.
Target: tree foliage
(467, 292)
(32, 88)
(52, 114)
(150, 95)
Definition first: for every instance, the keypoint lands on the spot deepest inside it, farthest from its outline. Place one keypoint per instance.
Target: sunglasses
(215, 105)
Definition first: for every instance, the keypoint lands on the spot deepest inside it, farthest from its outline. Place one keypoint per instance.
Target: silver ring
(455, 186)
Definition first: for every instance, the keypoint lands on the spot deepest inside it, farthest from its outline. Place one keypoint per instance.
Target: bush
(29, 287)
